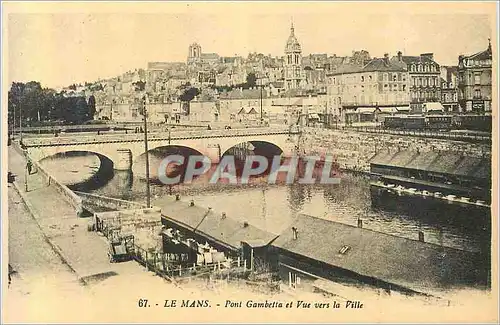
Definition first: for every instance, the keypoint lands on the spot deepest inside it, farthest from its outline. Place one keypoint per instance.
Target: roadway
(175, 134)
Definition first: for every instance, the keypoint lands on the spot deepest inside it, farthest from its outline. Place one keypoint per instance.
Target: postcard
(242, 162)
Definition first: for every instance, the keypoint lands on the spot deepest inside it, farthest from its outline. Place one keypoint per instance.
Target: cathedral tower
(293, 62)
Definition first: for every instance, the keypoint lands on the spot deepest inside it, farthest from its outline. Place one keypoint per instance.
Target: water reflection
(272, 207)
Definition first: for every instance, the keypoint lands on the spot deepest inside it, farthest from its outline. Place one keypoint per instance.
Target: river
(272, 207)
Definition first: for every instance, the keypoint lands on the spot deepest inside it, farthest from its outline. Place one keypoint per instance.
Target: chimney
(245, 224)
(295, 232)
(386, 58)
(421, 236)
(400, 56)
(360, 223)
(223, 216)
(191, 203)
(430, 56)
(177, 197)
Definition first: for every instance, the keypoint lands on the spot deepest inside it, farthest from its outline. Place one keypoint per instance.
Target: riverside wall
(354, 150)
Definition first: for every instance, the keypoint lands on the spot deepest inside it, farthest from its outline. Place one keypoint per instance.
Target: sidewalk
(84, 252)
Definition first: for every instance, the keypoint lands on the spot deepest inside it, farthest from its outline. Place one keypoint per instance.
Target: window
(293, 280)
(404, 87)
(414, 81)
(477, 93)
(362, 78)
(386, 77)
(369, 78)
(477, 79)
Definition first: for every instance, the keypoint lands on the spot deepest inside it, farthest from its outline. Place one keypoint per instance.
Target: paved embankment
(84, 252)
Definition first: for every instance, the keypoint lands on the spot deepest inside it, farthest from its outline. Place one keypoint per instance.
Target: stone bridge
(124, 149)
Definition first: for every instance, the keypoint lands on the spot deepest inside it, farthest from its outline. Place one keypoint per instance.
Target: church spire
(489, 44)
(292, 30)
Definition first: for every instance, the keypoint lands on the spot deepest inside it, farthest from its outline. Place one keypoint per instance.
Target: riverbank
(114, 297)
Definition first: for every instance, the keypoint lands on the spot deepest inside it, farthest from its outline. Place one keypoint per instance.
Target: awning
(403, 108)
(433, 107)
(314, 116)
(387, 109)
(365, 110)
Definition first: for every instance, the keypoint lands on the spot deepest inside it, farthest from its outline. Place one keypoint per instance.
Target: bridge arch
(156, 156)
(87, 175)
(256, 147)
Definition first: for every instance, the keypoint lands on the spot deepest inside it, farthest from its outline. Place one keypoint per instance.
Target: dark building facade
(475, 82)
(425, 84)
(449, 88)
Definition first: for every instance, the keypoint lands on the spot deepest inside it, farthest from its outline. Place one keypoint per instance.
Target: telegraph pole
(148, 192)
(261, 117)
(20, 126)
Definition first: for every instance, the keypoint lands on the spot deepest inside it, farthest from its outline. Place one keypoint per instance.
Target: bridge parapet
(172, 135)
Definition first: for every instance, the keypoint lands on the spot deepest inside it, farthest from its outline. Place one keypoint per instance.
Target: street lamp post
(145, 112)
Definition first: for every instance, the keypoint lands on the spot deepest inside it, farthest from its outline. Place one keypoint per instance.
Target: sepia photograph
(243, 162)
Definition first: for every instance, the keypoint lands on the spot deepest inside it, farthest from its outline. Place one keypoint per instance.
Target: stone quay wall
(353, 150)
(107, 202)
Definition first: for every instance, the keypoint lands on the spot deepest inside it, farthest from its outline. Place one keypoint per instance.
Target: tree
(189, 94)
(251, 80)
(91, 106)
(139, 85)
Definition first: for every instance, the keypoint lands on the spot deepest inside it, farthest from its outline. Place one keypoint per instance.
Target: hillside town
(326, 89)
(124, 182)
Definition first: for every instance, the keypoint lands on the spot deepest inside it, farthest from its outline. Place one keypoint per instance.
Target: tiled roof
(416, 265)
(446, 163)
(416, 59)
(483, 55)
(210, 56)
(345, 68)
(225, 230)
(384, 65)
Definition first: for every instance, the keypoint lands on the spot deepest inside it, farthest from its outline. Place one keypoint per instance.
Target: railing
(161, 265)
(424, 133)
(172, 135)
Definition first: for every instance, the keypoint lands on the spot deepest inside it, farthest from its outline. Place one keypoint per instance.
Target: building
(293, 72)
(316, 250)
(474, 82)
(196, 56)
(361, 94)
(424, 79)
(446, 173)
(221, 232)
(449, 88)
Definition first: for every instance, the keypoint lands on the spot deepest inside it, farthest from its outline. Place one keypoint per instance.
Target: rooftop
(376, 64)
(445, 163)
(416, 265)
(224, 230)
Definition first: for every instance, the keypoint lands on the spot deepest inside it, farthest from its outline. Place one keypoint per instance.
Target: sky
(63, 44)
